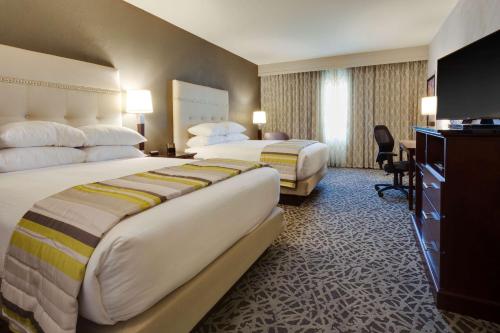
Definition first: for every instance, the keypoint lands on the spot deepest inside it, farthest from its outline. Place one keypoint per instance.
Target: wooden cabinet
(457, 218)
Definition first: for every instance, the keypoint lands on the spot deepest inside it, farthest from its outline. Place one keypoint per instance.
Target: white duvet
(311, 159)
(148, 255)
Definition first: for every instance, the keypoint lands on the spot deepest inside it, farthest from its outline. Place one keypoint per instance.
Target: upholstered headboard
(37, 86)
(194, 104)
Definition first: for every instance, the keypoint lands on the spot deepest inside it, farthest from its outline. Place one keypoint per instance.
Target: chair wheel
(380, 194)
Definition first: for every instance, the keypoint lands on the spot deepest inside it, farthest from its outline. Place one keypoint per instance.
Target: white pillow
(199, 141)
(208, 129)
(40, 134)
(236, 137)
(232, 127)
(105, 153)
(16, 159)
(111, 135)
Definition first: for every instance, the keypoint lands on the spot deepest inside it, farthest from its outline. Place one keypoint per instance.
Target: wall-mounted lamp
(429, 107)
(139, 102)
(259, 119)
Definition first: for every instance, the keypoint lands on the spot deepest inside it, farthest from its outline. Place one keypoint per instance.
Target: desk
(409, 147)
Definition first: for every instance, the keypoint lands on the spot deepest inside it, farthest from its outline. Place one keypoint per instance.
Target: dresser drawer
(432, 188)
(431, 233)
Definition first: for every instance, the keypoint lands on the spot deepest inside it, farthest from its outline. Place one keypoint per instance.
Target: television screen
(468, 81)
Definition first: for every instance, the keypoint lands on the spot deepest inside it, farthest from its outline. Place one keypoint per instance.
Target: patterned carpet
(347, 262)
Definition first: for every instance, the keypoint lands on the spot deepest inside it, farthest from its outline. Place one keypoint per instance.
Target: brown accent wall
(148, 51)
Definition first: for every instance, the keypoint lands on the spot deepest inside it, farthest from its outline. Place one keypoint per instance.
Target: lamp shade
(259, 117)
(139, 101)
(429, 106)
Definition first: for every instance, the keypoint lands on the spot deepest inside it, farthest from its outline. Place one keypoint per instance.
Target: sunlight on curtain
(335, 110)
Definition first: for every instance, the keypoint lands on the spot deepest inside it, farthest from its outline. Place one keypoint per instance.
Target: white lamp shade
(139, 101)
(259, 117)
(429, 106)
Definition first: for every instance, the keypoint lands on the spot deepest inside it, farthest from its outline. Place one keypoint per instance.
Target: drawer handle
(430, 216)
(430, 246)
(433, 185)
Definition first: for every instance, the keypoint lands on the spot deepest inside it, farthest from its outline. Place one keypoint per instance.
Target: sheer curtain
(335, 111)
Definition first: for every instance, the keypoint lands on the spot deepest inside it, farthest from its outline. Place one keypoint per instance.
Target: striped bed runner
(284, 157)
(52, 244)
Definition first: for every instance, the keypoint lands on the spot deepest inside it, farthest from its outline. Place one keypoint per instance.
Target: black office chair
(385, 143)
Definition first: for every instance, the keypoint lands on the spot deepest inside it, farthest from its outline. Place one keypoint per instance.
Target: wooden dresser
(457, 218)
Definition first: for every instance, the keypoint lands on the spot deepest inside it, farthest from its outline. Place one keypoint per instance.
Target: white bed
(172, 261)
(311, 159)
(193, 104)
(168, 244)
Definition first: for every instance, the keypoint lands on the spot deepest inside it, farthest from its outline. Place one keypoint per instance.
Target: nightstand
(187, 156)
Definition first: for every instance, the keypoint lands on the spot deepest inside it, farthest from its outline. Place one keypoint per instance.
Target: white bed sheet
(311, 159)
(146, 256)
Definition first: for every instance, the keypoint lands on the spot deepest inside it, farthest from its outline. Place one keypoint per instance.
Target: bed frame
(37, 86)
(193, 104)
(306, 186)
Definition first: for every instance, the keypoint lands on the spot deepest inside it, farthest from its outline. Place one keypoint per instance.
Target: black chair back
(385, 142)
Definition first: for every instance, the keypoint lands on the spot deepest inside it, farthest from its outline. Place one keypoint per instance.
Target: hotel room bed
(159, 270)
(168, 244)
(195, 104)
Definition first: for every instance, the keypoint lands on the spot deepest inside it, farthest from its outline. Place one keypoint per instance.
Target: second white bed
(311, 159)
(148, 255)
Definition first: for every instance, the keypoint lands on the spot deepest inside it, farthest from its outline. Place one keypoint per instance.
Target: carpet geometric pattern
(346, 262)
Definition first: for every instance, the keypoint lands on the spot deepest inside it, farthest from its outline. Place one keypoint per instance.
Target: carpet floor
(346, 262)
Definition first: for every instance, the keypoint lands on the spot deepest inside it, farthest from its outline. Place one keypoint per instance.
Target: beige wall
(469, 21)
(148, 51)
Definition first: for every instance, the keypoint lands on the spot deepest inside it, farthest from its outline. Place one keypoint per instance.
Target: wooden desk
(409, 146)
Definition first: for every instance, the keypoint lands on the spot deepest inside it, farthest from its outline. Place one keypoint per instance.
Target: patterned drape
(383, 95)
(292, 103)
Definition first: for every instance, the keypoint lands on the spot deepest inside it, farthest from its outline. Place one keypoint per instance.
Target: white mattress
(311, 159)
(148, 255)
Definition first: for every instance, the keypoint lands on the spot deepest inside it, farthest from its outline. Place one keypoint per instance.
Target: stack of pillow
(108, 142)
(213, 133)
(38, 144)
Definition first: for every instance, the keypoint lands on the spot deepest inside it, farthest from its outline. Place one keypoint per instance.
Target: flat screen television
(468, 81)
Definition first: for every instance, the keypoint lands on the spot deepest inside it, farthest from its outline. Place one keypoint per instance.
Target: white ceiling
(271, 31)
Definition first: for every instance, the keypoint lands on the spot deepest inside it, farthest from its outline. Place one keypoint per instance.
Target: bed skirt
(305, 186)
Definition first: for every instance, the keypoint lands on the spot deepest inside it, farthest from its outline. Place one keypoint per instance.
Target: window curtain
(383, 95)
(292, 103)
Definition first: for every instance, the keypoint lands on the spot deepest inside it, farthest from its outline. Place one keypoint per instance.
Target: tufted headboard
(37, 86)
(194, 104)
